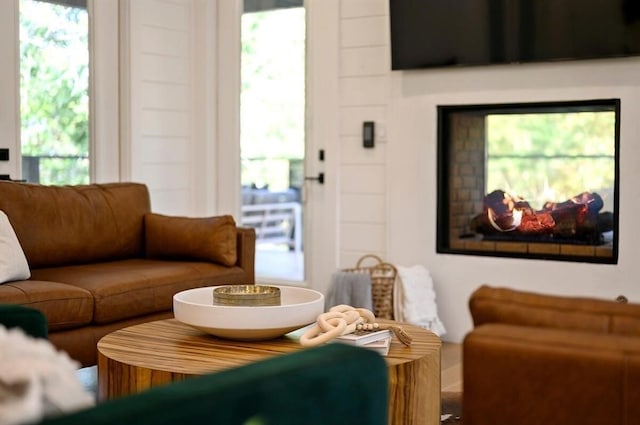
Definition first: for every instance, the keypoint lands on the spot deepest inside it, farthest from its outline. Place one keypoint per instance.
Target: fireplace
(529, 180)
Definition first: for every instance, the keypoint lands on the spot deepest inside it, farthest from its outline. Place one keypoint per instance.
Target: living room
(381, 200)
(394, 183)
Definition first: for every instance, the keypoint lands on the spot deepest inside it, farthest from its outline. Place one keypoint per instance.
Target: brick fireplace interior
(462, 188)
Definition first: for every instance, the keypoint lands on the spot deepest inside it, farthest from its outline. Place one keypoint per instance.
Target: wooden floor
(451, 367)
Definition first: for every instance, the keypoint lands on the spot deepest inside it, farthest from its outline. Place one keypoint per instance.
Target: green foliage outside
(272, 99)
(552, 157)
(54, 71)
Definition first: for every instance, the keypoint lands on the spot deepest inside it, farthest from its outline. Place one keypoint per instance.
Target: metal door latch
(320, 178)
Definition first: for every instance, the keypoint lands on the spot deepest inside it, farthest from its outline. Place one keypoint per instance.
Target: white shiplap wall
(387, 194)
(162, 135)
(364, 94)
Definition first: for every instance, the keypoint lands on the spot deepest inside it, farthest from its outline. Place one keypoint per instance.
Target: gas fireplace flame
(512, 221)
(578, 216)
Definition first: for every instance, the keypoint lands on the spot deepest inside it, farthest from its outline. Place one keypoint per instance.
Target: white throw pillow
(13, 263)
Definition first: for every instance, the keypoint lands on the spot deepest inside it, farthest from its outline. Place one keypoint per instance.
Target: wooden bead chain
(344, 319)
(368, 326)
(339, 320)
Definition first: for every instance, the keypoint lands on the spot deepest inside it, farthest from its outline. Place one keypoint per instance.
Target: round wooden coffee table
(139, 357)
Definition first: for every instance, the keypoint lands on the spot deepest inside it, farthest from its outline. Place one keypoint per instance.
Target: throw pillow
(13, 263)
(209, 238)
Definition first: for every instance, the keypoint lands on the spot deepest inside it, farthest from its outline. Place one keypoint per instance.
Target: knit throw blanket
(415, 299)
(36, 380)
(349, 288)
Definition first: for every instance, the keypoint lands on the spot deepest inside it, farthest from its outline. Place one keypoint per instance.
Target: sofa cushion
(61, 225)
(129, 288)
(65, 306)
(208, 239)
(504, 305)
(13, 263)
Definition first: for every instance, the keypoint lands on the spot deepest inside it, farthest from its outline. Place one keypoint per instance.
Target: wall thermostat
(368, 134)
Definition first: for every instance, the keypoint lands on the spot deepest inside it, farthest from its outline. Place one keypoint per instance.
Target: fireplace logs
(577, 220)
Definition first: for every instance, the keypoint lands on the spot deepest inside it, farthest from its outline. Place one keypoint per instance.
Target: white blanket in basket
(414, 300)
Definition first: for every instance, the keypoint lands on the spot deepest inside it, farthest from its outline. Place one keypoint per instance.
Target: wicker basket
(383, 276)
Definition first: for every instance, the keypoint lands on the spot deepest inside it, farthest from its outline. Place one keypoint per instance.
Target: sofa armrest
(246, 246)
(328, 385)
(33, 322)
(549, 376)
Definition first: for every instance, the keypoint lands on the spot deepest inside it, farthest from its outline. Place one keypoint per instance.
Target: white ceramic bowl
(298, 307)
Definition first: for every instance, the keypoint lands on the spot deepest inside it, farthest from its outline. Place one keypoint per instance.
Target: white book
(364, 337)
(381, 346)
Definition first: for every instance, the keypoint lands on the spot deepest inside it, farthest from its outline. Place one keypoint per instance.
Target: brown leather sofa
(100, 259)
(544, 359)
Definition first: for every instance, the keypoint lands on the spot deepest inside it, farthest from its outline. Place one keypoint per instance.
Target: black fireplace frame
(445, 243)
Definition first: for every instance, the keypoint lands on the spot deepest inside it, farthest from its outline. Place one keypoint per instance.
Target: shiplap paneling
(364, 91)
(349, 259)
(154, 149)
(166, 96)
(351, 118)
(361, 32)
(362, 179)
(364, 61)
(162, 101)
(179, 199)
(359, 8)
(364, 95)
(163, 14)
(162, 176)
(352, 152)
(363, 208)
(164, 41)
(165, 123)
(154, 67)
(363, 237)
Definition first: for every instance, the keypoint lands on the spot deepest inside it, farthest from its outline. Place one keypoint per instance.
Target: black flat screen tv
(444, 33)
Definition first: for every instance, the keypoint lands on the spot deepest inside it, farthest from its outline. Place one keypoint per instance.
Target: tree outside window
(54, 86)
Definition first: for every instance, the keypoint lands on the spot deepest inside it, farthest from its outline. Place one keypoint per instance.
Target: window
(54, 87)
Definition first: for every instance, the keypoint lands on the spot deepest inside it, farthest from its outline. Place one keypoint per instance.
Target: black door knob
(320, 178)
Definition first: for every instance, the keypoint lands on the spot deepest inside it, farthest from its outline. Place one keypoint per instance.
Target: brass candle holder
(246, 295)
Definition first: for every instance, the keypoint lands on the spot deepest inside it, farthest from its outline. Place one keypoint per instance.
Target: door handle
(320, 178)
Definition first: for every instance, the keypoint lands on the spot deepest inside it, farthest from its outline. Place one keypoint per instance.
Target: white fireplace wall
(403, 218)
(412, 191)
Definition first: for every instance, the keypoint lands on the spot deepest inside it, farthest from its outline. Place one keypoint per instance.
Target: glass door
(272, 134)
(54, 91)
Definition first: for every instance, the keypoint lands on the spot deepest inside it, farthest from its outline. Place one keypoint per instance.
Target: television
(448, 33)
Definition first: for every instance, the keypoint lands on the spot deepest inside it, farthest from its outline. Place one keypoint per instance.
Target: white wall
(167, 106)
(404, 103)
(364, 96)
(386, 195)
(9, 87)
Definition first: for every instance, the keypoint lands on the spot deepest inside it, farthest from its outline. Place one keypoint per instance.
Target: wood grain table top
(172, 346)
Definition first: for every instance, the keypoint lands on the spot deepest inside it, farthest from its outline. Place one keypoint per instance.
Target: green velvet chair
(331, 384)
(32, 321)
